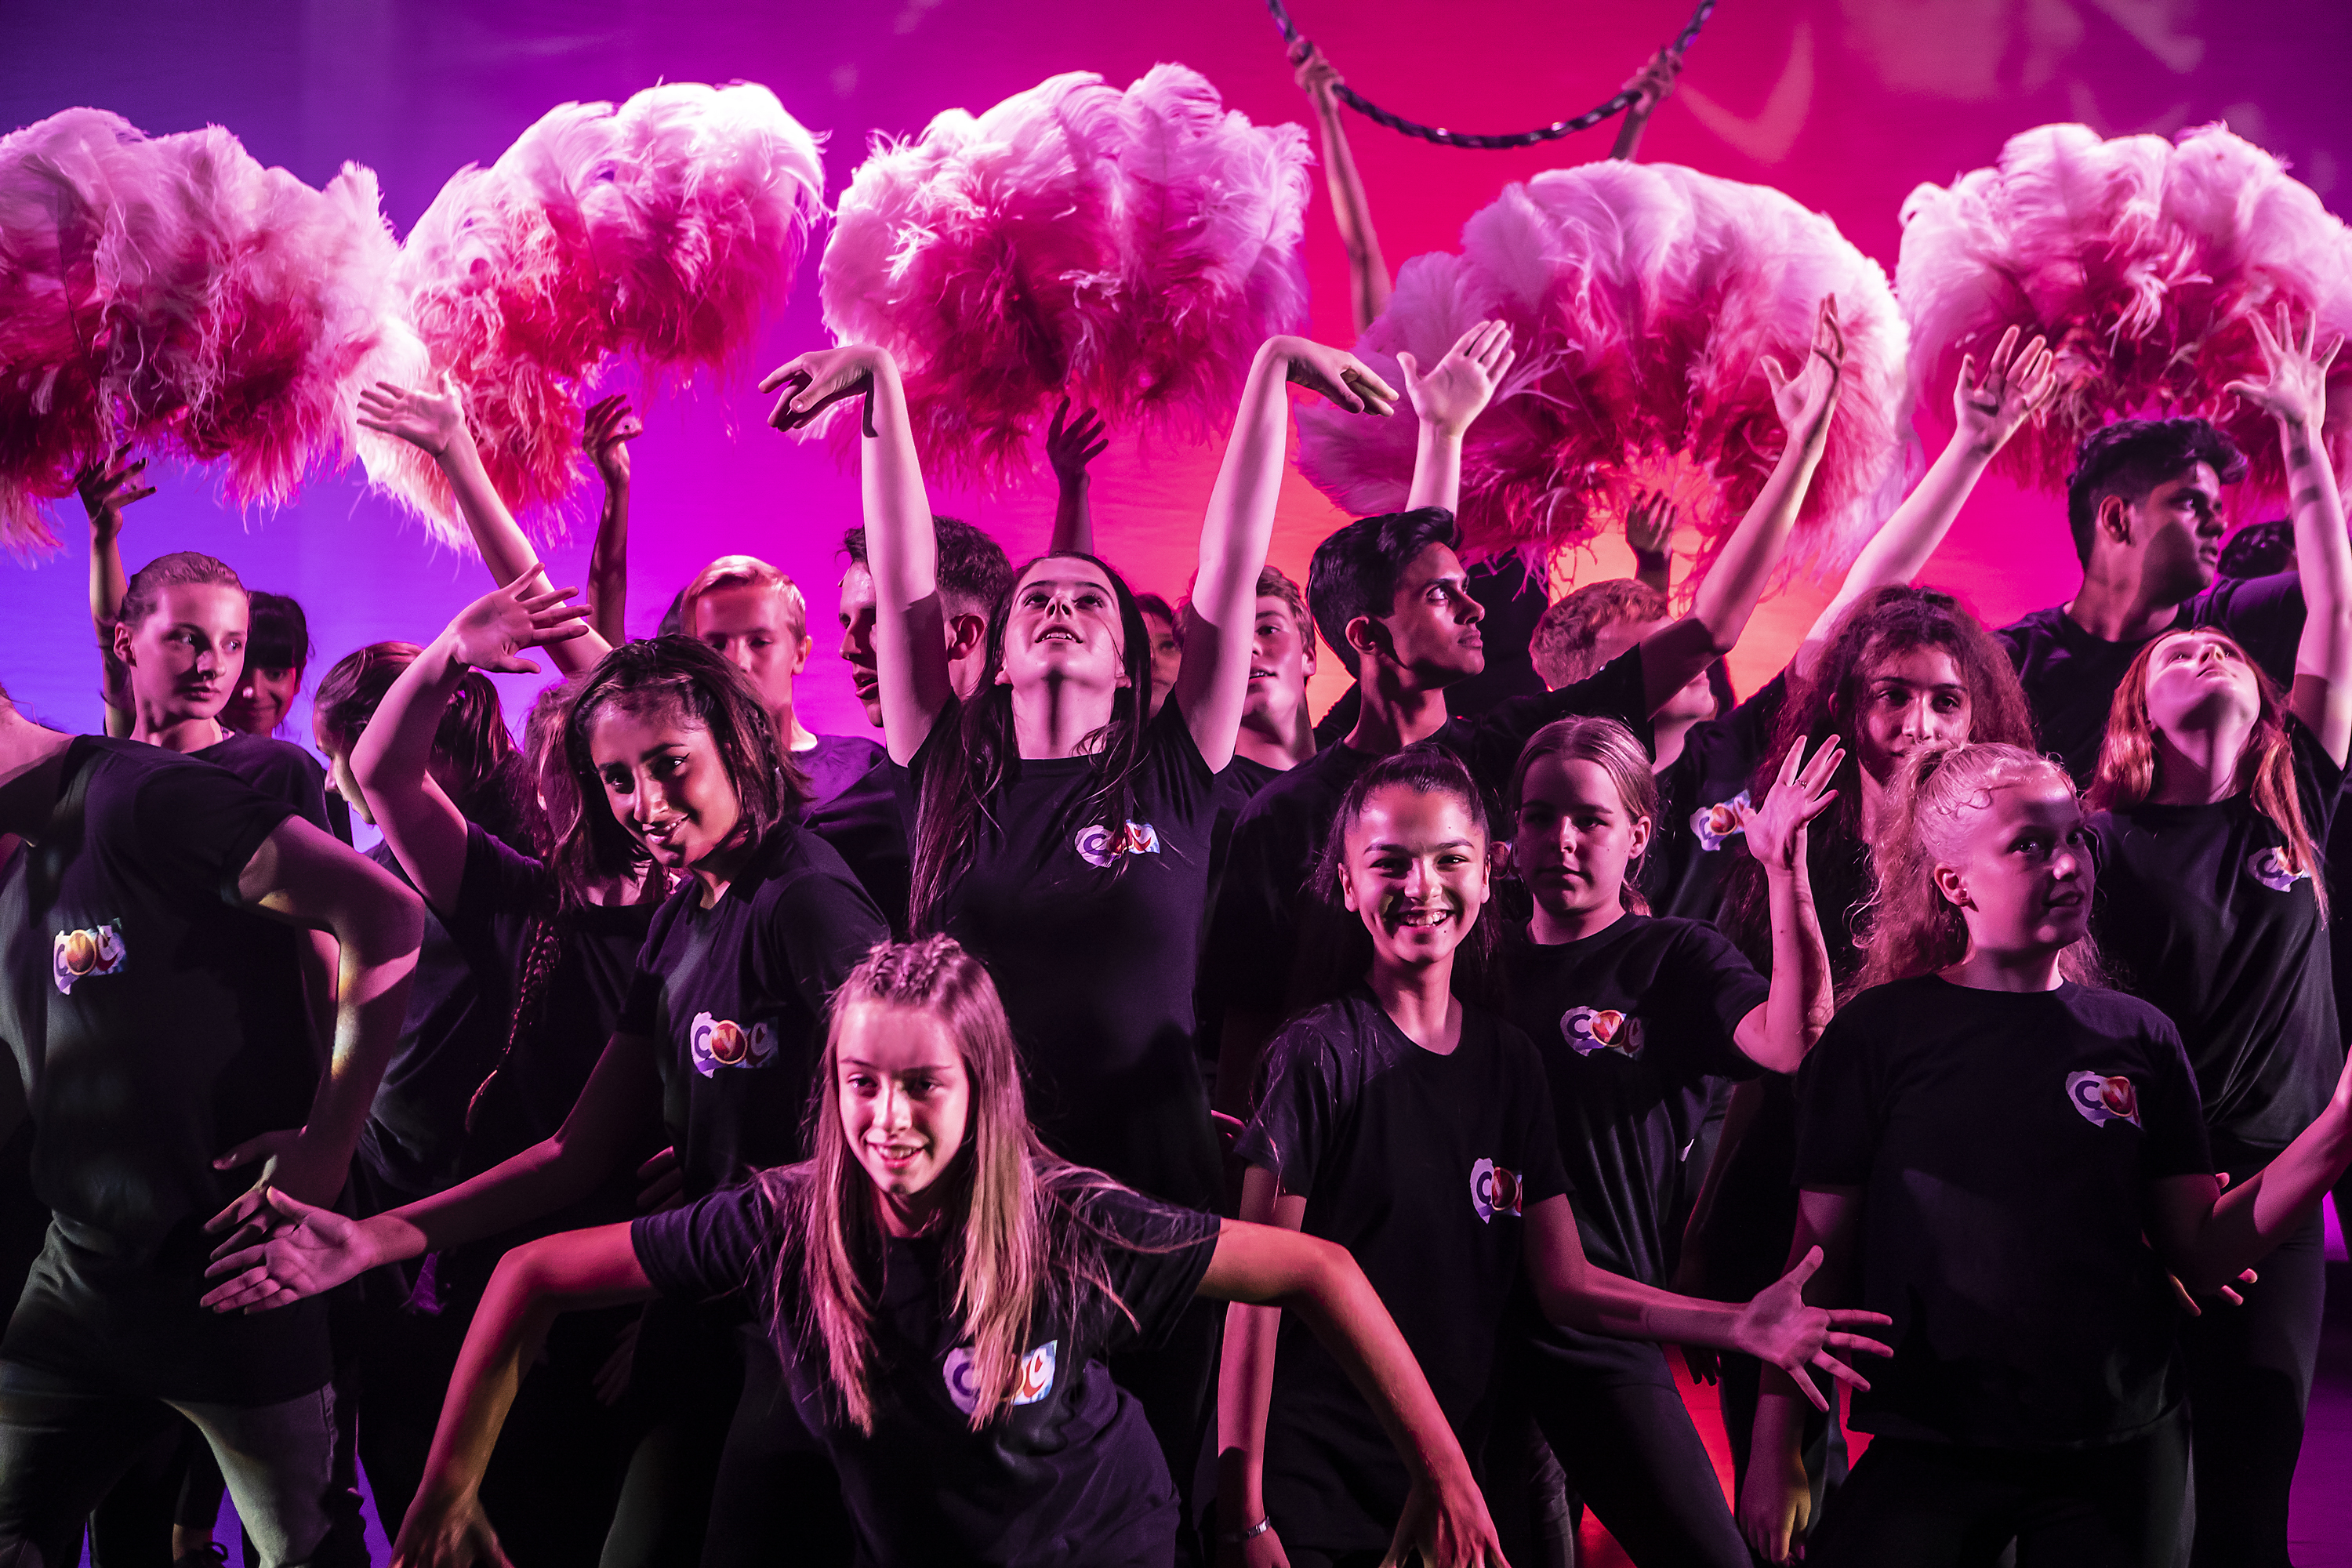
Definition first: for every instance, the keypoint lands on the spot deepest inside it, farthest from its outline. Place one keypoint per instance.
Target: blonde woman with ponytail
(942, 1292)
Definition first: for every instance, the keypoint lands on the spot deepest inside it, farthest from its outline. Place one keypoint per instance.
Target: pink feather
(656, 232)
(173, 293)
(2142, 261)
(1642, 299)
(1130, 251)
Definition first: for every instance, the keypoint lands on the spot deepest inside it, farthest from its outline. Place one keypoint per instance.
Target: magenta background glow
(1846, 104)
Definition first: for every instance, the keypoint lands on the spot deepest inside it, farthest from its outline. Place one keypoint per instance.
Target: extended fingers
(1805, 1385)
(1839, 1370)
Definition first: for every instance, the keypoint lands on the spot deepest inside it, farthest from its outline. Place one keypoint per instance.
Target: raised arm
(901, 550)
(1777, 1498)
(393, 757)
(1070, 445)
(435, 423)
(1268, 1269)
(1727, 595)
(576, 1270)
(308, 878)
(1212, 684)
(1654, 83)
(1985, 414)
(106, 488)
(605, 436)
(1778, 1034)
(1351, 210)
(2295, 394)
(1455, 391)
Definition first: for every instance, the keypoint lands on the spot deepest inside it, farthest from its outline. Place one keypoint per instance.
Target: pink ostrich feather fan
(1128, 250)
(2142, 260)
(656, 232)
(1641, 300)
(173, 293)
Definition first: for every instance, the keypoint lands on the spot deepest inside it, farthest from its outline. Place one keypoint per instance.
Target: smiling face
(665, 782)
(261, 698)
(2022, 872)
(906, 1103)
(1908, 699)
(1574, 839)
(186, 657)
(857, 614)
(1415, 874)
(1431, 631)
(2198, 682)
(1064, 626)
(1282, 656)
(752, 627)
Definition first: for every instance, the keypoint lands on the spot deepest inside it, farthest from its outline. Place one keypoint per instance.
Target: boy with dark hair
(144, 1041)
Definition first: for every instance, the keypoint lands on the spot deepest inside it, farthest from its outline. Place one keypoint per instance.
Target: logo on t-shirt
(2102, 1099)
(1726, 819)
(86, 954)
(1494, 1191)
(1035, 1382)
(715, 1043)
(2272, 868)
(1590, 1029)
(1099, 846)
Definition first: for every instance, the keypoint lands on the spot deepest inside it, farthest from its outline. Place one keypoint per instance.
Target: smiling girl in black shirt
(1415, 1130)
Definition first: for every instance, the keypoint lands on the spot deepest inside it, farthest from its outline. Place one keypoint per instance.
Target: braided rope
(1444, 138)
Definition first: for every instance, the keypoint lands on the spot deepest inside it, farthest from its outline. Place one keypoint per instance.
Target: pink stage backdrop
(1846, 104)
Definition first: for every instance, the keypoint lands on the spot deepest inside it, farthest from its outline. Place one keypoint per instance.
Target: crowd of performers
(1105, 1120)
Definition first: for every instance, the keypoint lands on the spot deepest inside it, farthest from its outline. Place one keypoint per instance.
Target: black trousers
(2250, 1372)
(1932, 1505)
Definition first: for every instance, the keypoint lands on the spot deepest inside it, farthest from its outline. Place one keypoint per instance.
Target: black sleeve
(1156, 1255)
(1837, 1107)
(711, 1247)
(306, 787)
(1616, 691)
(497, 882)
(1298, 1109)
(2264, 615)
(1545, 1176)
(2318, 780)
(819, 925)
(198, 826)
(2172, 1116)
(1752, 722)
(1708, 986)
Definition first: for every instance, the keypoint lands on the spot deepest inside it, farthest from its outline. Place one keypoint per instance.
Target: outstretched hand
(1653, 81)
(108, 487)
(1805, 400)
(1458, 387)
(1650, 522)
(305, 1249)
(429, 420)
(1337, 374)
(1777, 828)
(2295, 394)
(1779, 1327)
(1072, 444)
(605, 434)
(491, 632)
(814, 381)
(2014, 387)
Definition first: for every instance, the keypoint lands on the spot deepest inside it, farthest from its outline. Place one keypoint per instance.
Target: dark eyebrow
(1448, 844)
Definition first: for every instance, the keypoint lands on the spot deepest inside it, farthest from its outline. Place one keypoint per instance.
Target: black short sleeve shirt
(1703, 806)
(868, 824)
(2004, 1143)
(1070, 1474)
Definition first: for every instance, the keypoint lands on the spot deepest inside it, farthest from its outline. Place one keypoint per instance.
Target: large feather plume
(1130, 251)
(656, 231)
(172, 292)
(2141, 260)
(1642, 299)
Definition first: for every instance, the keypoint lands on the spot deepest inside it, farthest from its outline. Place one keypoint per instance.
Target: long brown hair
(1014, 1221)
(958, 782)
(1911, 928)
(1610, 747)
(2128, 760)
(1880, 625)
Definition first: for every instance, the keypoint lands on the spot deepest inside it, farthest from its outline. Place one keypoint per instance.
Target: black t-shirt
(151, 1030)
(2197, 913)
(733, 997)
(1093, 936)
(2004, 1143)
(835, 763)
(1422, 1166)
(1702, 807)
(1633, 1023)
(869, 824)
(1253, 939)
(1070, 1474)
(2071, 677)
